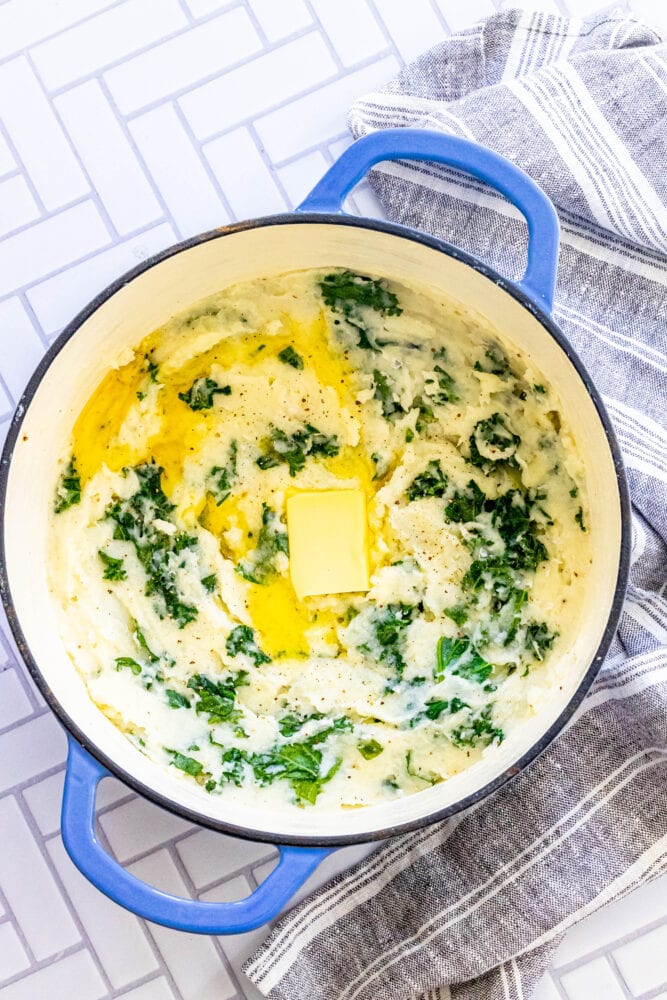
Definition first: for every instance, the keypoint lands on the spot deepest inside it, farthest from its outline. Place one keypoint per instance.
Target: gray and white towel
(473, 908)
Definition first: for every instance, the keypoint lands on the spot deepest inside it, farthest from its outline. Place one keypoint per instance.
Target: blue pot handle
(420, 144)
(78, 829)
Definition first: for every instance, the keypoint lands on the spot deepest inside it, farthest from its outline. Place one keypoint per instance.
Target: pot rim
(511, 288)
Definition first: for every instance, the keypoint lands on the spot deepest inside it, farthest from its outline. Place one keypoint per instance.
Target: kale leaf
(384, 393)
(293, 449)
(349, 294)
(477, 730)
(460, 658)
(241, 640)
(491, 442)
(177, 700)
(159, 553)
(432, 482)
(466, 505)
(260, 565)
(370, 749)
(290, 357)
(114, 567)
(539, 639)
(200, 394)
(217, 699)
(224, 476)
(68, 492)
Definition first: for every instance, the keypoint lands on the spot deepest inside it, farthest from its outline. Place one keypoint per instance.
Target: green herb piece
(539, 639)
(290, 357)
(224, 476)
(234, 767)
(511, 516)
(466, 505)
(68, 491)
(209, 583)
(389, 625)
(260, 566)
(579, 518)
(458, 614)
(370, 749)
(241, 640)
(289, 725)
(496, 362)
(432, 482)
(478, 730)
(349, 295)
(447, 387)
(114, 567)
(384, 393)
(200, 394)
(298, 763)
(492, 442)
(574, 492)
(425, 416)
(540, 389)
(187, 764)
(293, 449)
(430, 779)
(157, 551)
(152, 368)
(129, 663)
(177, 700)
(217, 699)
(143, 645)
(409, 435)
(460, 658)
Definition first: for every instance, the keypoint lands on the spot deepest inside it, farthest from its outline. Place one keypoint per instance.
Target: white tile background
(126, 125)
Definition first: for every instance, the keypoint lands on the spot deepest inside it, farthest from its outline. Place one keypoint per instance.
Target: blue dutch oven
(319, 234)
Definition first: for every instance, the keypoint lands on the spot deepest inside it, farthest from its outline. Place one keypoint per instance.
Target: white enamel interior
(148, 301)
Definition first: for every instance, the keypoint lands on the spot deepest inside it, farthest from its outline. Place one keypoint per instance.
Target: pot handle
(421, 144)
(78, 830)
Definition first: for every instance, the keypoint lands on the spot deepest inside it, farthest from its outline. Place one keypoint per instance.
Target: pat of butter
(328, 552)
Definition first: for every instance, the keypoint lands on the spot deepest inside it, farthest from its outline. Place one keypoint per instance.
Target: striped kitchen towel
(473, 908)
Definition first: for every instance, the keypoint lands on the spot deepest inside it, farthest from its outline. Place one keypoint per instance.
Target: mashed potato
(170, 551)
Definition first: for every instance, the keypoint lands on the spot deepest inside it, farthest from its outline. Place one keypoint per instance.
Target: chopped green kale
(68, 492)
(223, 477)
(293, 449)
(460, 658)
(260, 565)
(384, 393)
(492, 442)
(370, 749)
(159, 553)
(512, 518)
(539, 639)
(209, 583)
(129, 663)
(478, 730)
(177, 700)
(200, 394)
(241, 640)
(466, 505)
(152, 368)
(496, 362)
(290, 357)
(114, 567)
(579, 518)
(143, 645)
(349, 295)
(458, 614)
(432, 482)
(446, 385)
(425, 416)
(187, 764)
(389, 625)
(217, 699)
